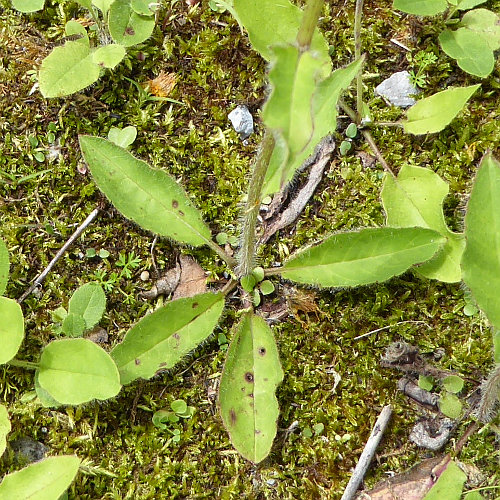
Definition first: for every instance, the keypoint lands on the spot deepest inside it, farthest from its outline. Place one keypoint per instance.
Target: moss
(125, 455)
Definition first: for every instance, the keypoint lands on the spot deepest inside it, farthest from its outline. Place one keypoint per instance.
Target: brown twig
(41, 277)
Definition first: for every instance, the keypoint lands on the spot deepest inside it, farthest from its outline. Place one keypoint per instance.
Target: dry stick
(369, 138)
(41, 277)
(367, 455)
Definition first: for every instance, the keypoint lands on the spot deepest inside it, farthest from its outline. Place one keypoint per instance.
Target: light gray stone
(397, 90)
(242, 121)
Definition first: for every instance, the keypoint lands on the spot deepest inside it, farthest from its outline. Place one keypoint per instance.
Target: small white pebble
(144, 276)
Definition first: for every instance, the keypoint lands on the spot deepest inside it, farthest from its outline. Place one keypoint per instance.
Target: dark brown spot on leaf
(181, 213)
(195, 305)
(175, 203)
(250, 395)
(176, 336)
(129, 31)
(249, 377)
(257, 431)
(262, 351)
(232, 416)
(137, 361)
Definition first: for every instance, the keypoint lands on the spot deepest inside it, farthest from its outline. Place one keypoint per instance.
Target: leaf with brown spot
(248, 384)
(161, 339)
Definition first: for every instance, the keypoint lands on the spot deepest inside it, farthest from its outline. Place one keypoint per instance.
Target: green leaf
(258, 274)
(5, 428)
(179, 406)
(4, 266)
(449, 485)
(151, 198)
(275, 23)
(126, 26)
(161, 339)
(122, 137)
(469, 4)
(108, 56)
(45, 398)
(472, 51)
(67, 69)
(286, 159)
(267, 287)
(74, 371)
(44, 480)
(248, 283)
(11, 328)
(415, 198)
(102, 5)
(453, 383)
(484, 23)
(359, 258)
(142, 7)
(425, 382)
(85, 3)
(73, 27)
(89, 302)
(421, 7)
(473, 495)
(481, 259)
(73, 325)
(434, 113)
(247, 399)
(28, 5)
(450, 405)
(351, 131)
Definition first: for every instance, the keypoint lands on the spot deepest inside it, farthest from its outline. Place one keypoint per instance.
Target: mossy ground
(125, 455)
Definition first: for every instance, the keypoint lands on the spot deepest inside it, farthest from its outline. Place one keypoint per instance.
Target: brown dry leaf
(411, 485)
(193, 280)
(162, 85)
(164, 285)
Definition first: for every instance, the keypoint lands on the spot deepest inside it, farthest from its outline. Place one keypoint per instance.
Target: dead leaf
(193, 279)
(164, 285)
(162, 85)
(411, 485)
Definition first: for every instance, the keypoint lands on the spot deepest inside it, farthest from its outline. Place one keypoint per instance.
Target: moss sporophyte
(300, 111)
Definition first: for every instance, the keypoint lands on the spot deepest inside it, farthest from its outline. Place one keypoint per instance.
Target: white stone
(242, 121)
(397, 90)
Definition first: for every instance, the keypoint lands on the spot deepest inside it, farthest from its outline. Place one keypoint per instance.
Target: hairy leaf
(161, 339)
(11, 328)
(484, 23)
(415, 198)
(4, 266)
(434, 113)
(44, 480)
(28, 5)
(151, 198)
(275, 23)
(89, 302)
(67, 69)
(73, 325)
(449, 484)
(469, 4)
(481, 259)
(359, 258)
(471, 50)
(421, 7)
(247, 399)
(108, 56)
(4, 428)
(74, 371)
(126, 27)
(45, 398)
(316, 107)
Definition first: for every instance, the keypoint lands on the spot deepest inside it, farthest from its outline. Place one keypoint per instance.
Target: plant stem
(357, 55)
(23, 364)
(309, 23)
(246, 255)
(272, 271)
(230, 261)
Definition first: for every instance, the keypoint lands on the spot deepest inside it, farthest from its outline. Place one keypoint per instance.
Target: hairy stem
(309, 23)
(246, 255)
(23, 364)
(357, 55)
(222, 254)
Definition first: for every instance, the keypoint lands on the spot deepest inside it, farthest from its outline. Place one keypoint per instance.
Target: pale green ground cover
(216, 70)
